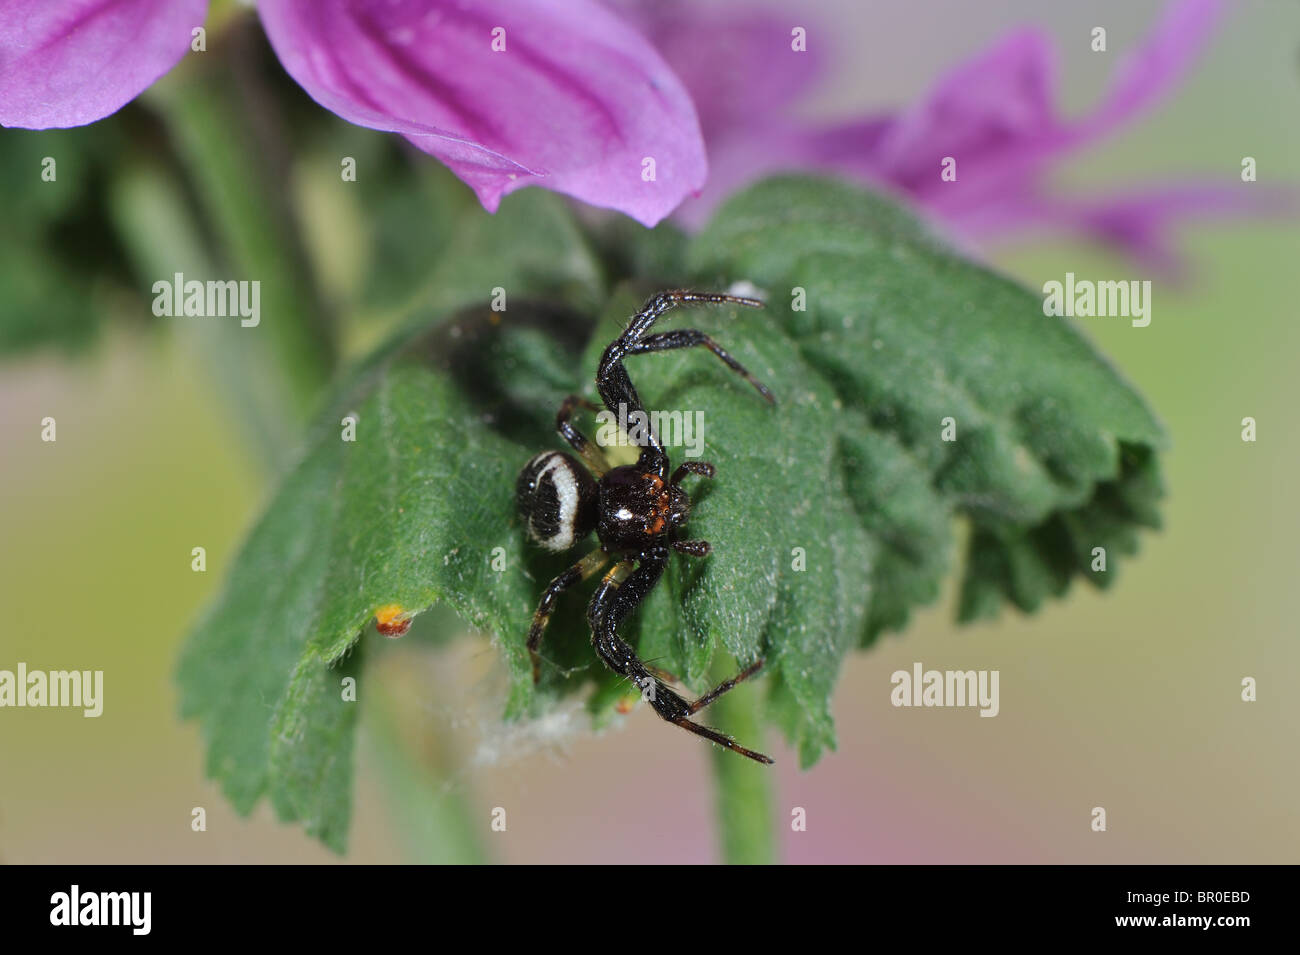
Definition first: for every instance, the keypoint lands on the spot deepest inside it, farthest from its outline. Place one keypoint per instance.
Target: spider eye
(557, 500)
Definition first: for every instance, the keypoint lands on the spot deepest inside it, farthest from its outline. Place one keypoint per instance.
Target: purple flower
(508, 93)
(995, 115)
(71, 63)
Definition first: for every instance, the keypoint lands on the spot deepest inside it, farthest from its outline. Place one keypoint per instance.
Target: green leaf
(831, 516)
(1054, 452)
(406, 515)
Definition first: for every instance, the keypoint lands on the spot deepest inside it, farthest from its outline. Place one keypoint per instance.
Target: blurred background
(1128, 700)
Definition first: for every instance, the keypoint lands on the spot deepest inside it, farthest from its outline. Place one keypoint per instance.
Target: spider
(634, 509)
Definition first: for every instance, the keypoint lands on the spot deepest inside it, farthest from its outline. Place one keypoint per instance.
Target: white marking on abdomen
(566, 490)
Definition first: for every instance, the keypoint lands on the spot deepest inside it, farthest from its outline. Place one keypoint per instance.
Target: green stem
(243, 195)
(162, 237)
(745, 794)
(434, 822)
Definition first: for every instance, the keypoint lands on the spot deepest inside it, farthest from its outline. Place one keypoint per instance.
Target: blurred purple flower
(994, 114)
(71, 63)
(576, 101)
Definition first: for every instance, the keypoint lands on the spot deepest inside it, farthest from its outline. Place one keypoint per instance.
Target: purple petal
(1141, 222)
(576, 102)
(995, 109)
(736, 59)
(771, 145)
(996, 115)
(71, 62)
(1155, 68)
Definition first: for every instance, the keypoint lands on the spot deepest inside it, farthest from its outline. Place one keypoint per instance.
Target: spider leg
(724, 741)
(616, 389)
(702, 468)
(658, 304)
(542, 616)
(662, 674)
(689, 338)
(591, 453)
(621, 590)
(726, 685)
(692, 548)
(612, 380)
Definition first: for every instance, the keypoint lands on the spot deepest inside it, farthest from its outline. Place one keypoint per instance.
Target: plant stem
(242, 194)
(745, 795)
(433, 819)
(161, 237)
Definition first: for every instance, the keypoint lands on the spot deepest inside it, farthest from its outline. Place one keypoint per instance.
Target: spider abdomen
(557, 500)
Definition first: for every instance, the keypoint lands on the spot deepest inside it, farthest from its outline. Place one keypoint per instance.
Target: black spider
(635, 511)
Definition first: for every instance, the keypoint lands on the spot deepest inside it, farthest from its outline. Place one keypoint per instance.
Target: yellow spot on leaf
(392, 621)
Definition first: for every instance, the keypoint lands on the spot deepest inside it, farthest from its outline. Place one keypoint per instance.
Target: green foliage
(57, 273)
(1054, 453)
(831, 515)
(407, 515)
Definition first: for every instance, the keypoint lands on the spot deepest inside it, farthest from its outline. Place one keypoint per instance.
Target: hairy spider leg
(619, 592)
(664, 301)
(666, 675)
(726, 685)
(692, 548)
(689, 338)
(702, 468)
(542, 616)
(616, 387)
(591, 453)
